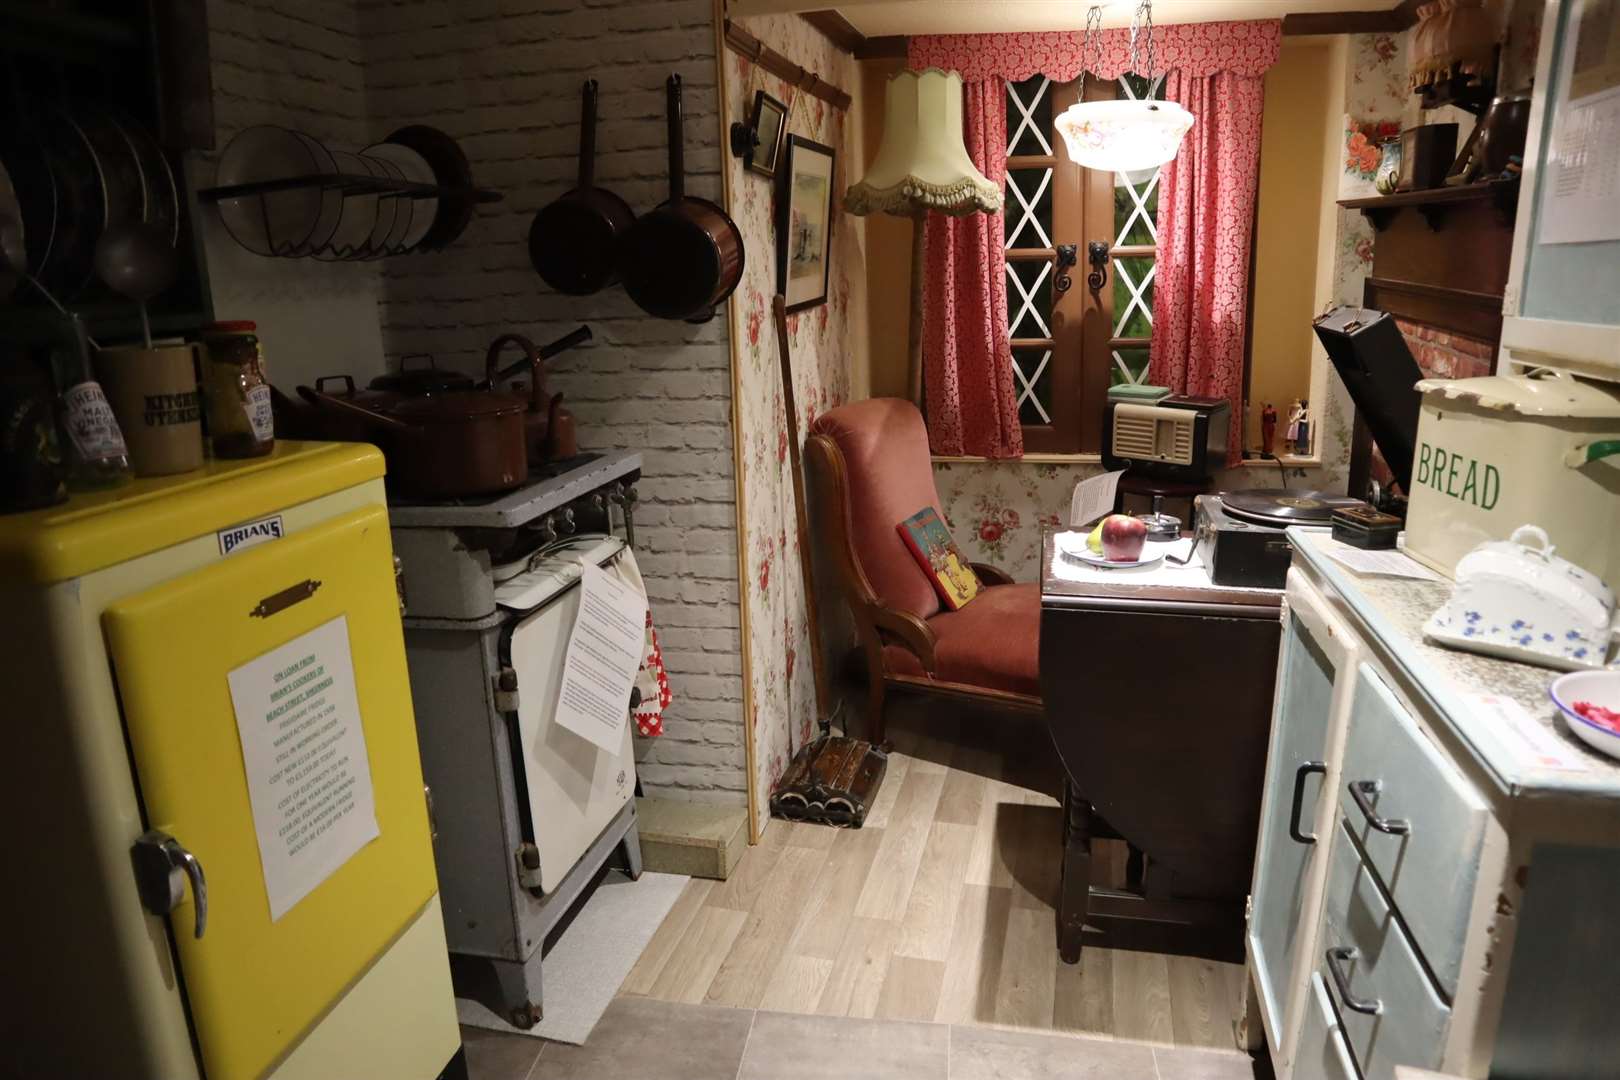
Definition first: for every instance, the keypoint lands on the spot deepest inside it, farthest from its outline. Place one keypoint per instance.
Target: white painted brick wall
(295, 64)
(503, 77)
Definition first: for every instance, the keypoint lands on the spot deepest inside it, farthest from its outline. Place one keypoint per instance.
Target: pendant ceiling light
(1122, 135)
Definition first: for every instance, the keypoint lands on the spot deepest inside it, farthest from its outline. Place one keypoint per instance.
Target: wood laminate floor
(940, 909)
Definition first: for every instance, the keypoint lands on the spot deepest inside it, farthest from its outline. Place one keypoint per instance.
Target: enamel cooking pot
(682, 259)
(443, 446)
(574, 241)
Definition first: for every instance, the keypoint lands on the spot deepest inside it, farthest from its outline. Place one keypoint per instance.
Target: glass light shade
(1123, 136)
(923, 163)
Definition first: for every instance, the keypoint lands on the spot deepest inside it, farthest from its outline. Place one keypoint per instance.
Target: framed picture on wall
(769, 119)
(804, 220)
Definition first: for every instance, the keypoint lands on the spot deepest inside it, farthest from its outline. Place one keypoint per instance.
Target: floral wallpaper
(781, 680)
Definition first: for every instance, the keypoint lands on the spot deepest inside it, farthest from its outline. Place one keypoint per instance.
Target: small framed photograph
(804, 220)
(768, 120)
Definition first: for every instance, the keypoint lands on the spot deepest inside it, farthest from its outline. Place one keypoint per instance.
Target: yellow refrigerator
(221, 862)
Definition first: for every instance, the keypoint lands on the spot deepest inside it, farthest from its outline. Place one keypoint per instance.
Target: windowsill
(1027, 459)
(1289, 461)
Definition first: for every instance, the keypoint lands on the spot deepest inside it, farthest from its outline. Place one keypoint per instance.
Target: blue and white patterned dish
(1516, 599)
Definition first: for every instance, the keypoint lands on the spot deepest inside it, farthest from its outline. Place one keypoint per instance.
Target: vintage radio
(1178, 437)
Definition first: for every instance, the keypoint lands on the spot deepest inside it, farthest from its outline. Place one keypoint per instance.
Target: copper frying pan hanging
(574, 241)
(682, 259)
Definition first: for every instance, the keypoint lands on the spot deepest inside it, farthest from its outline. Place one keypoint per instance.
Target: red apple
(1123, 537)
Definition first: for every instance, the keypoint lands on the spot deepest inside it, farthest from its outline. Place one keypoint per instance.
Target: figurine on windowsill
(1298, 435)
(1268, 429)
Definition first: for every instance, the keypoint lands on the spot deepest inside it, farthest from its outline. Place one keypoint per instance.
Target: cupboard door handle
(1365, 1006)
(1309, 767)
(1359, 792)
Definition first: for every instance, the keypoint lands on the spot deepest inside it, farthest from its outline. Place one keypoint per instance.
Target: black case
(1236, 552)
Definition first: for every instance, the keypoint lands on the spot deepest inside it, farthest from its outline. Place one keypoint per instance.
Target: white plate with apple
(1118, 542)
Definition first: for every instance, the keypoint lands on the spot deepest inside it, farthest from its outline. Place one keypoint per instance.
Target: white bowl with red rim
(1590, 702)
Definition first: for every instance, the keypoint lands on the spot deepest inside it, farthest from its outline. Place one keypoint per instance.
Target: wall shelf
(1435, 203)
(348, 184)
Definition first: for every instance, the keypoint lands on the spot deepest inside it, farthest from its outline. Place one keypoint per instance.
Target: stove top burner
(1283, 508)
(538, 474)
(549, 487)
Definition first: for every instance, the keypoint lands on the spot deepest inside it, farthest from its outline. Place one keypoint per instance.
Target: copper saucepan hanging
(684, 258)
(574, 241)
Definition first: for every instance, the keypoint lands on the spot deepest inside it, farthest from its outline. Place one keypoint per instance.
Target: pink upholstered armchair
(875, 471)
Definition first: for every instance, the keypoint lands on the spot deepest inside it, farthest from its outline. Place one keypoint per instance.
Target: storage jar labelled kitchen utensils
(154, 396)
(236, 391)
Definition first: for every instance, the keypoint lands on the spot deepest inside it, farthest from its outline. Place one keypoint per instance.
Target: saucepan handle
(315, 397)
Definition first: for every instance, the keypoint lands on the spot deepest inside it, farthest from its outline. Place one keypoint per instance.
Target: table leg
(1074, 895)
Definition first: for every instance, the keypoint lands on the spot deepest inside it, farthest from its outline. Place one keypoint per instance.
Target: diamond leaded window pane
(1028, 211)
(1032, 379)
(1029, 299)
(1133, 296)
(1029, 117)
(1130, 366)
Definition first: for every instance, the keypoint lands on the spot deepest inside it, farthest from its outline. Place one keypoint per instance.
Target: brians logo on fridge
(250, 533)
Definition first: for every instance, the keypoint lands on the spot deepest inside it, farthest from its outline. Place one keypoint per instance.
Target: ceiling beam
(839, 30)
(883, 48)
(1392, 21)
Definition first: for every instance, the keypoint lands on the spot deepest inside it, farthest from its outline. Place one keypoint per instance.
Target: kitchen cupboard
(1438, 864)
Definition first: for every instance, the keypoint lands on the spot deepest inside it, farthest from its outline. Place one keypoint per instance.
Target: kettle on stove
(549, 429)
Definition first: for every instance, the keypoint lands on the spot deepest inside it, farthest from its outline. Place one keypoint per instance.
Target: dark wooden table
(1158, 688)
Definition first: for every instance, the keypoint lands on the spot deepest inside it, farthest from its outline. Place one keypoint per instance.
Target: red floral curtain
(967, 358)
(1206, 224)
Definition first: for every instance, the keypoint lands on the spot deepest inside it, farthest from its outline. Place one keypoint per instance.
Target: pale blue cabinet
(1314, 669)
(1323, 1053)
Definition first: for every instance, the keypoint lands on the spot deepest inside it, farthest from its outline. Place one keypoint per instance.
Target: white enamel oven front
(574, 787)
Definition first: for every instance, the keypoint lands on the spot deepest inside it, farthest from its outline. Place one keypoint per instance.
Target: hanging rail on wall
(741, 41)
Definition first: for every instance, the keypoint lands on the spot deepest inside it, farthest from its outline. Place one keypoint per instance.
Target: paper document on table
(304, 751)
(1093, 498)
(604, 652)
(1388, 562)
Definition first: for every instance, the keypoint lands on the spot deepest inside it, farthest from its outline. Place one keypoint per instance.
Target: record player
(1239, 534)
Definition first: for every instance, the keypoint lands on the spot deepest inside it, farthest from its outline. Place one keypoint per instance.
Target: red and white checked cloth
(651, 679)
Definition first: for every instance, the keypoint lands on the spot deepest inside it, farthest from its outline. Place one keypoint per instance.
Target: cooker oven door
(575, 788)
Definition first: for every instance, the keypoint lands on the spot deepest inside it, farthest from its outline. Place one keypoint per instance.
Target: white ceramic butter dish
(1517, 599)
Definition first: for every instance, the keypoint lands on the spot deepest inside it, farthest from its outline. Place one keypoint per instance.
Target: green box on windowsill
(1137, 393)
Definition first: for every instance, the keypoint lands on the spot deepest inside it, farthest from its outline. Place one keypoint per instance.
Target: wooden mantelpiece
(1436, 204)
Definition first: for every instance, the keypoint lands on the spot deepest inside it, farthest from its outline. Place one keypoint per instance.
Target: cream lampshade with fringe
(922, 165)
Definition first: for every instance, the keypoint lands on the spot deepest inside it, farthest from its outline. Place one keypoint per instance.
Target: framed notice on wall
(804, 222)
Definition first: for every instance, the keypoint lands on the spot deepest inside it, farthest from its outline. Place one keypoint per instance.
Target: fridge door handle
(162, 868)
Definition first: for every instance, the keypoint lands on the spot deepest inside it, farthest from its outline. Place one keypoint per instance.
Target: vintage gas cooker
(526, 813)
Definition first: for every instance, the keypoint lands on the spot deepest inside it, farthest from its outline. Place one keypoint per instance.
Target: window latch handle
(1097, 255)
(1068, 255)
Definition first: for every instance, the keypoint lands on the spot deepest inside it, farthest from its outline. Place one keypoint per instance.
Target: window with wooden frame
(1069, 344)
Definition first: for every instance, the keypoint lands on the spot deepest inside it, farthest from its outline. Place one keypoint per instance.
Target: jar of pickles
(240, 420)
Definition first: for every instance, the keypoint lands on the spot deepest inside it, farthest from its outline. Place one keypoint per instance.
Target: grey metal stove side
(495, 923)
